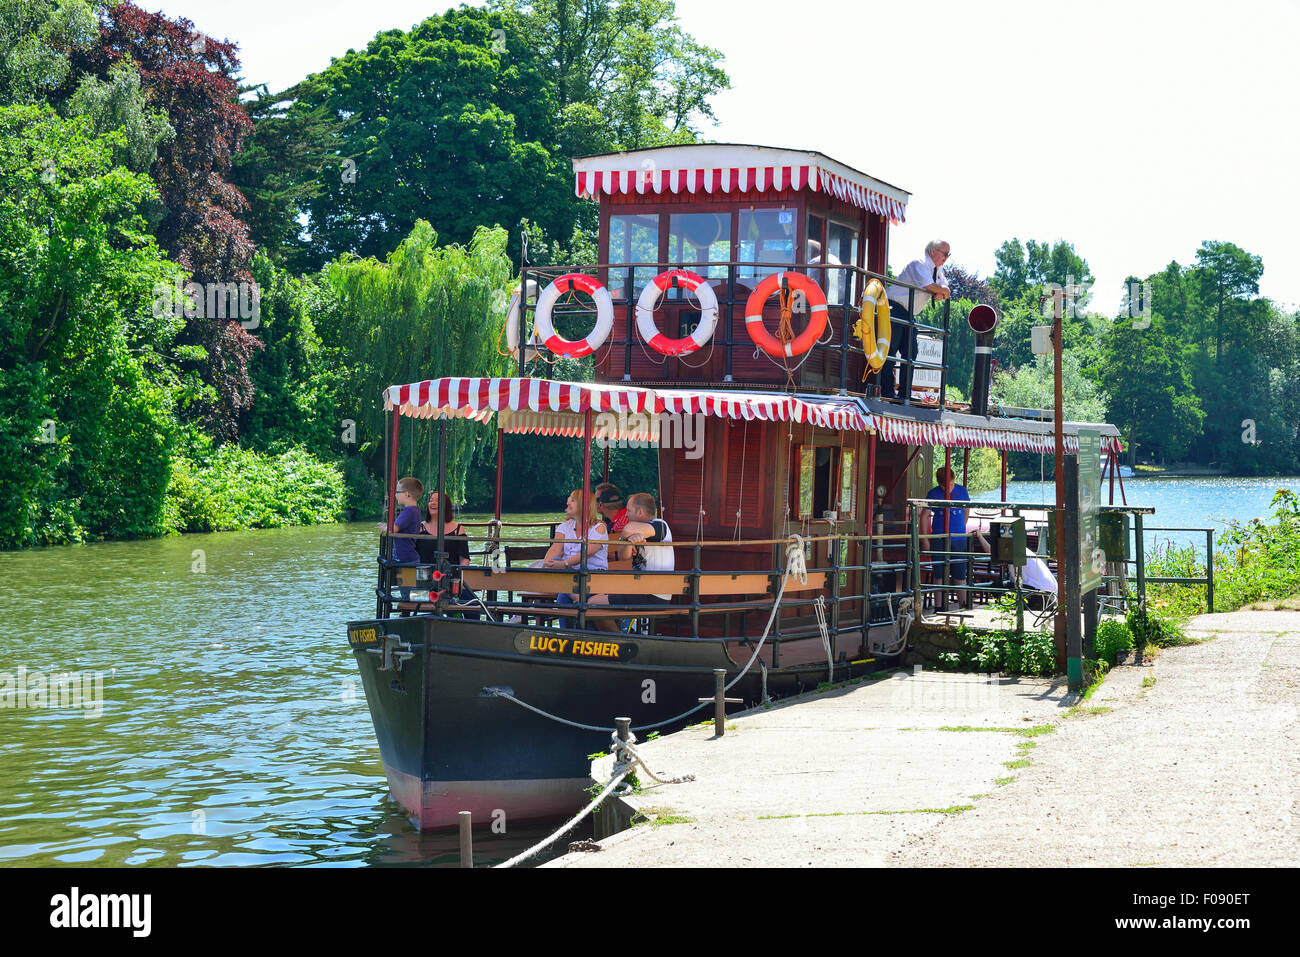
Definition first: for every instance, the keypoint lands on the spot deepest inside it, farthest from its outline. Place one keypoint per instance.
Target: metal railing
(852, 605)
(1114, 590)
(733, 292)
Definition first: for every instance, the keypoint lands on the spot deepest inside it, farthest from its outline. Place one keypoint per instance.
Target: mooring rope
(626, 759)
(819, 607)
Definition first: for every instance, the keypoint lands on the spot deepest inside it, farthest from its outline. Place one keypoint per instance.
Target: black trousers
(902, 343)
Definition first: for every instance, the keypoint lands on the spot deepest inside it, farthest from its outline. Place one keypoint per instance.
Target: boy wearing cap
(609, 500)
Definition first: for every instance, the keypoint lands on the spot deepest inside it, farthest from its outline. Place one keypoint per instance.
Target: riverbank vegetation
(1255, 561)
(207, 282)
(179, 352)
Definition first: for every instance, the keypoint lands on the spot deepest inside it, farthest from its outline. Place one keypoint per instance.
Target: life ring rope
(568, 283)
(786, 344)
(654, 292)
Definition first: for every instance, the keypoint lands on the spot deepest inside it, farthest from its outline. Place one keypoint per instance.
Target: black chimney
(983, 320)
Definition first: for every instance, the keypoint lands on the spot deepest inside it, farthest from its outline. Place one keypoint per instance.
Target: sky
(1135, 130)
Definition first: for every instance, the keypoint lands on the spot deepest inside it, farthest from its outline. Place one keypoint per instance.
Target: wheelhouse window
(842, 243)
(633, 238)
(766, 236)
(825, 480)
(817, 487)
(697, 239)
(816, 239)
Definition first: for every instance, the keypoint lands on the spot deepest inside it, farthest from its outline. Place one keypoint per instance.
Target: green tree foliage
(1227, 275)
(37, 39)
(428, 311)
(1152, 399)
(283, 165)
(628, 62)
(1033, 387)
(1024, 269)
(118, 103)
(446, 123)
(295, 380)
(1215, 378)
(191, 79)
(77, 272)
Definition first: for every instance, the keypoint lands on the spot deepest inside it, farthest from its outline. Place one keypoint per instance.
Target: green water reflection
(233, 729)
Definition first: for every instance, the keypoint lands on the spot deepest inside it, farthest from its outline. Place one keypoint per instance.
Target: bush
(1254, 562)
(238, 488)
(1151, 628)
(1094, 669)
(1033, 653)
(1039, 654)
(1112, 638)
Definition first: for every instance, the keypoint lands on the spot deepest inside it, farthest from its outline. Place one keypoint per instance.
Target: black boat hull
(450, 742)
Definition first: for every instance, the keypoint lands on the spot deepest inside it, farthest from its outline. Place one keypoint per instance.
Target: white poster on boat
(925, 382)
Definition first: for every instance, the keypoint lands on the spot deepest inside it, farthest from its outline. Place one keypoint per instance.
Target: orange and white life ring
(653, 292)
(797, 282)
(545, 331)
(512, 323)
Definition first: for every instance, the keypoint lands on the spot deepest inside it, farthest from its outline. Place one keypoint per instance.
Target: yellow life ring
(873, 300)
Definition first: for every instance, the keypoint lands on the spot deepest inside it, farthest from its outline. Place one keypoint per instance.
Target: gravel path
(1202, 767)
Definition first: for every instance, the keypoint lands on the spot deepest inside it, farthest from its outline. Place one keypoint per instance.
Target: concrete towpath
(1191, 758)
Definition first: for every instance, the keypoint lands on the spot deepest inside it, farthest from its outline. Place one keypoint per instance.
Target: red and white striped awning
(765, 408)
(707, 169)
(910, 432)
(556, 408)
(479, 398)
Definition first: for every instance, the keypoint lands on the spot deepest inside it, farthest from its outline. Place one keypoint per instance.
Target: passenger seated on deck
(454, 539)
(643, 535)
(609, 499)
(566, 549)
(407, 522)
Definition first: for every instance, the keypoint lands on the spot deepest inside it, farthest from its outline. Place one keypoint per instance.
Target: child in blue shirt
(408, 521)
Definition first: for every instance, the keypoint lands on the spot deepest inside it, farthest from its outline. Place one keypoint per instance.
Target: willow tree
(429, 311)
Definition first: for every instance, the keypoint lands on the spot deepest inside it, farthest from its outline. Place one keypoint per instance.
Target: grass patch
(659, 817)
(1148, 682)
(1079, 710)
(1036, 730)
(1017, 764)
(1001, 782)
(1031, 732)
(952, 809)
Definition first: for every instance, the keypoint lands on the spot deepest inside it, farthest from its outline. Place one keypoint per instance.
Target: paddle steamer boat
(702, 249)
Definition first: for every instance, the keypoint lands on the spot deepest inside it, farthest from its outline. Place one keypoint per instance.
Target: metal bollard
(466, 840)
(624, 726)
(720, 701)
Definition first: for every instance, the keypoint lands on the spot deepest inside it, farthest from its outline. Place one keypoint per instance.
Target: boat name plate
(561, 646)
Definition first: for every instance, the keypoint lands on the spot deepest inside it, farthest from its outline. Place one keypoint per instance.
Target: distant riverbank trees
(1196, 368)
(367, 219)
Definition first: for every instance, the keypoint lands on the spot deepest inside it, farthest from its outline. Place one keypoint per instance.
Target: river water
(1179, 502)
(233, 729)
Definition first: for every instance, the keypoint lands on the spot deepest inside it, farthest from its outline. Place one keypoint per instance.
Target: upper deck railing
(733, 283)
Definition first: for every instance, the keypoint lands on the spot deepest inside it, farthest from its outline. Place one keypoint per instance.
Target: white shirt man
(927, 274)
